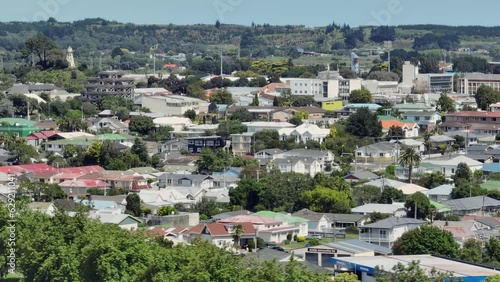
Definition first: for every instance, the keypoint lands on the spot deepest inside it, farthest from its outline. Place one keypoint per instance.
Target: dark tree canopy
(364, 123)
(427, 240)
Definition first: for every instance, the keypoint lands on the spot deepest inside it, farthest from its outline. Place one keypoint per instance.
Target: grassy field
(11, 278)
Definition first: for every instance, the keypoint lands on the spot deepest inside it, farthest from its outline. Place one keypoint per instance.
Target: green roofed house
(440, 208)
(58, 146)
(491, 185)
(287, 219)
(18, 126)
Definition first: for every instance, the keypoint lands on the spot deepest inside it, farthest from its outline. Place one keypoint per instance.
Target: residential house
(242, 144)
(412, 107)
(440, 194)
(461, 230)
(325, 158)
(178, 123)
(316, 222)
(80, 187)
(383, 183)
(298, 165)
(382, 152)
(173, 145)
(425, 120)
(394, 209)
(270, 230)
(471, 138)
(449, 167)
(478, 122)
(269, 154)
(287, 219)
(18, 126)
(305, 132)
(46, 208)
(124, 221)
(36, 139)
(340, 220)
(476, 206)
(196, 144)
(221, 234)
(438, 140)
(256, 126)
(385, 232)
(113, 124)
(412, 143)
(226, 215)
(361, 175)
(410, 129)
(186, 180)
(350, 109)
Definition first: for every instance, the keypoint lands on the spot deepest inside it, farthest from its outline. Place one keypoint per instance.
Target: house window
(210, 143)
(198, 150)
(359, 154)
(452, 170)
(381, 154)
(383, 233)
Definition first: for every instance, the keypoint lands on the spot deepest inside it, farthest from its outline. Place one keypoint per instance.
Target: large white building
(304, 133)
(174, 105)
(321, 88)
(428, 82)
(472, 81)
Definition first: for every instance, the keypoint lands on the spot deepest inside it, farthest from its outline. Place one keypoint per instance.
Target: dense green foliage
(65, 248)
(427, 240)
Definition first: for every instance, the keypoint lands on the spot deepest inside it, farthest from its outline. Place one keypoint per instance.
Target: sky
(275, 12)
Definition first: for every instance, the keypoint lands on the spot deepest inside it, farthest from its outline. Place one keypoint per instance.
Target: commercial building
(428, 82)
(330, 88)
(365, 267)
(472, 81)
(174, 105)
(108, 84)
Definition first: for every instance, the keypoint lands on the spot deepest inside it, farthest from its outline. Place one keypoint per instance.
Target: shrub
(300, 239)
(251, 245)
(351, 230)
(295, 237)
(289, 237)
(287, 242)
(260, 243)
(314, 242)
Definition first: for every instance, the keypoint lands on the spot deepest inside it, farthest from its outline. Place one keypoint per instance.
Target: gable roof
(441, 190)
(254, 219)
(410, 189)
(392, 222)
(473, 203)
(381, 208)
(355, 246)
(363, 175)
(457, 160)
(112, 218)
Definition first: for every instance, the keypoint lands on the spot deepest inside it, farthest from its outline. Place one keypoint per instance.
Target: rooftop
(354, 246)
(473, 203)
(392, 222)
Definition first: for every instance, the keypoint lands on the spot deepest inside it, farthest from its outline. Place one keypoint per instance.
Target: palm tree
(238, 230)
(410, 158)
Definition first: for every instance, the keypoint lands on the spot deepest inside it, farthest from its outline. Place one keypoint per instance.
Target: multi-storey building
(479, 122)
(472, 81)
(174, 105)
(323, 89)
(108, 84)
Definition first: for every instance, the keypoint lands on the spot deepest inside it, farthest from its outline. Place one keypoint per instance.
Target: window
(210, 143)
(198, 143)
(383, 233)
(381, 154)
(198, 150)
(359, 154)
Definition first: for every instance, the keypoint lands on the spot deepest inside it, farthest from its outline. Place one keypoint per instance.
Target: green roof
(429, 165)
(387, 118)
(111, 136)
(281, 217)
(440, 207)
(17, 122)
(491, 185)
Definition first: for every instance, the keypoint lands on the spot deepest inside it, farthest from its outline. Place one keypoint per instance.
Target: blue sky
(281, 12)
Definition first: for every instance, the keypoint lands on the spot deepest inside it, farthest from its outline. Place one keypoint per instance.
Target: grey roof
(340, 217)
(464, 134)
(441, 138)
(489, 221)
(355, 246)
(267, 254)
(478, 157)
(474, 203)
(226, 215)
(306, 153)
(379, 147)
(364, 175)
(309, 215)
(23, 88)
(192, 177)
(395, 221)
(271, 151)
(385, 183)
(465, 224)
(441, 190)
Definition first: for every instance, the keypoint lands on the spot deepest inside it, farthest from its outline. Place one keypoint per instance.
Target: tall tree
(410, 158)
(445, 104)
(237, 231)
(39, 45)
(420, 205)
(133, 204)
(222, 96)
(364, 123)
(361, 96)
(327, 200)
(141, 124)
(427, 240)
(485, 96)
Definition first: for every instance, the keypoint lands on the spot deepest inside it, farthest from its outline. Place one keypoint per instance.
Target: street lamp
(388, 47)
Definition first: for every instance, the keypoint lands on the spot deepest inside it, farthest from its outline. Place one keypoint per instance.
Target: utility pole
(155, 47)
(1, 62)
(388, 46)
(28, 110)
(221, 62)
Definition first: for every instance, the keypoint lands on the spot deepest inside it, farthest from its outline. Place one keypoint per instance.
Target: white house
(385, 232)
(298, 165)
(395, 209)
(257, 126)
(449, 167)
(378, 152)
(124, 221)
(304, 133)
(177, 123)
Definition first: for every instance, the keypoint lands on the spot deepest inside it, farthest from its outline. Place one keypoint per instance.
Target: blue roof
(492, 167)
(363, 105)
(441, 190)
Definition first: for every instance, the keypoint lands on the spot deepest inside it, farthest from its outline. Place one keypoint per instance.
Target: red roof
(83, 183)
(217, 229)
(50, 133)
(196, 229)
(34, 168)
(474, 114)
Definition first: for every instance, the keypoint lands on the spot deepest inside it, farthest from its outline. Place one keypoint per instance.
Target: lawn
(12, 278)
